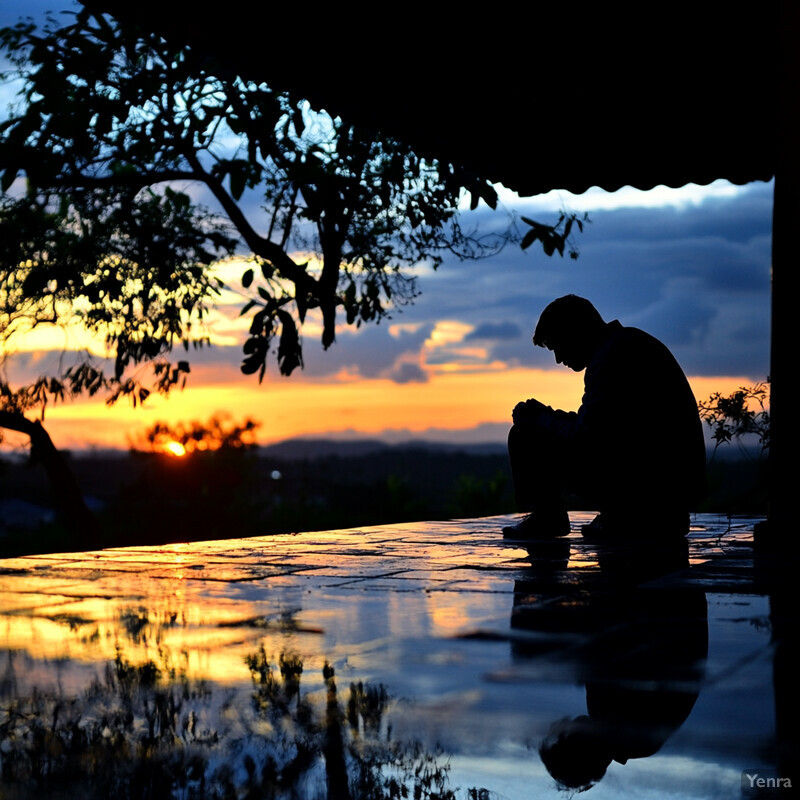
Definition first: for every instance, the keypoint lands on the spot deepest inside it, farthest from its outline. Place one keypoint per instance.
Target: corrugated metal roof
(540, 98)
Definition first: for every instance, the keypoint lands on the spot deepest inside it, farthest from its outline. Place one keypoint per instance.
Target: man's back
(639, 419)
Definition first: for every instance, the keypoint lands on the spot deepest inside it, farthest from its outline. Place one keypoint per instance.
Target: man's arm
(533, 412)
(528, 411)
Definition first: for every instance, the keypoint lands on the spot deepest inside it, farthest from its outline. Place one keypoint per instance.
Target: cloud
(495, 330)
(696, 274)
(681, 318)
(373, 351)
(408, 372)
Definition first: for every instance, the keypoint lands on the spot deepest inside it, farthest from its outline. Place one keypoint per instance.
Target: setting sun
(175, 449)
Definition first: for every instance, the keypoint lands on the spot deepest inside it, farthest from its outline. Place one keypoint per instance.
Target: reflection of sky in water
(434, 633)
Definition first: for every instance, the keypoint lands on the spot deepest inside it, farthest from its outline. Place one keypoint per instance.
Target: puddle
(155, 681)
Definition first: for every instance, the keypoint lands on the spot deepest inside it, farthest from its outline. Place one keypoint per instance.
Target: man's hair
(565, 313)
(575, 753)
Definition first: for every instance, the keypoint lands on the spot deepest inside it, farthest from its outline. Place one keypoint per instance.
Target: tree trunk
(82, 522)
(333, 748)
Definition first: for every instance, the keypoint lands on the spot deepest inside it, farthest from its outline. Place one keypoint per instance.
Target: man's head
(572, 328)
(576, 753)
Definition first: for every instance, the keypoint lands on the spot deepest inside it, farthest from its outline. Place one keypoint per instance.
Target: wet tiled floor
(433, 656)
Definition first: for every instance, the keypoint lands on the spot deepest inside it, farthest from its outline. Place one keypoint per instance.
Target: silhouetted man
(634, 449)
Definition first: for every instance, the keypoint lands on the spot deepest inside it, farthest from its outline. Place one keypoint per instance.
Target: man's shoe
(535, 527)
(598, 530)
(618, 527)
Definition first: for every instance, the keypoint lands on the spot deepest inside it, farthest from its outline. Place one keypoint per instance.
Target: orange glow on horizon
(299, 406)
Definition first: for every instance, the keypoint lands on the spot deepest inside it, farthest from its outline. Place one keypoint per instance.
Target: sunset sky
(690, 265)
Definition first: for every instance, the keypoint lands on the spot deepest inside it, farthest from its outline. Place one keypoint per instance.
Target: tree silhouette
(148, 730)
(217, 434)
(116, 131)
(737, 415)
(113, 120)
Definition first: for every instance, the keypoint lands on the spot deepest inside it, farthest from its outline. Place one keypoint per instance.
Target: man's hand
(527, 411)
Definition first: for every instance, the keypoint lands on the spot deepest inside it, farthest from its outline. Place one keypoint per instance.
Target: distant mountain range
(302, 449)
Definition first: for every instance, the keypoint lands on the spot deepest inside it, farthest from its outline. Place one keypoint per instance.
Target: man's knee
(531, 438)
(539, 450)
(516, 438)
(525, 445)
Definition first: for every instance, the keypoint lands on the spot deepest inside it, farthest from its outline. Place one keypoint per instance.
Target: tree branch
(260, 246)
(80, 519)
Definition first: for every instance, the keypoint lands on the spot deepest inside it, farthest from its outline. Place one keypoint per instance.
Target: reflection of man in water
(642, 696)
(639, 649)
(634, 449)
